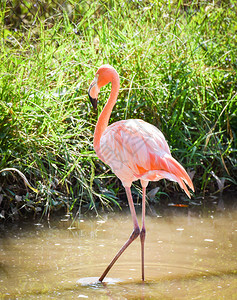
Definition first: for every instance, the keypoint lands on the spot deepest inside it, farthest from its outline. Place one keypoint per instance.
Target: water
(187, 256)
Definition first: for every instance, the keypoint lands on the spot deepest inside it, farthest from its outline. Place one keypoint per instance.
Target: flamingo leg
(143, 230)
(133, 236)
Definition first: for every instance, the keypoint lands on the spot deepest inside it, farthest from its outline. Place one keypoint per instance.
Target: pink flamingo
(134, 150)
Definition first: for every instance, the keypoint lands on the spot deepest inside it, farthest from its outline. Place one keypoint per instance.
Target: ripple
(94, 281)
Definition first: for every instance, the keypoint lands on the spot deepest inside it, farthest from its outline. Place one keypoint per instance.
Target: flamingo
(134, 150)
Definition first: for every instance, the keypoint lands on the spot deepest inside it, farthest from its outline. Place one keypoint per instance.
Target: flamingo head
(103, 76)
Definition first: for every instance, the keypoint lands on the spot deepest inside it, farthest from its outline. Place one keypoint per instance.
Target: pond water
(187, 256)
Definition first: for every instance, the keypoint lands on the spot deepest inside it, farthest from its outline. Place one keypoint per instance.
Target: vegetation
(177, 62)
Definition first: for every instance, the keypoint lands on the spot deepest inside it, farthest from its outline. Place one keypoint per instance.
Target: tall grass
(177, 62)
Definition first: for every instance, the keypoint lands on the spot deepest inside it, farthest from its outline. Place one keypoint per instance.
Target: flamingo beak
(94, 91)
(93, 101)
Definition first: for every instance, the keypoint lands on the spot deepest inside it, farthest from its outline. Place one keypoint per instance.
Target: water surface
(187, 256)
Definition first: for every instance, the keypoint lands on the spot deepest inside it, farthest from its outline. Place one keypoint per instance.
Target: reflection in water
(186, 257)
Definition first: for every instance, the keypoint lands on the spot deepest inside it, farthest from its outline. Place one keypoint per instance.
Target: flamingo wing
(136, 150)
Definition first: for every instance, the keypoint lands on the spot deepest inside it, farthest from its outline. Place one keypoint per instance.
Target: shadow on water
(189, 254)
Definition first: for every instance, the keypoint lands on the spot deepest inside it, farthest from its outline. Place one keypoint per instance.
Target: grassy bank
(177, 63)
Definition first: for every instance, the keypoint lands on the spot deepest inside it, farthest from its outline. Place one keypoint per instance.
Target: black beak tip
(93, 101)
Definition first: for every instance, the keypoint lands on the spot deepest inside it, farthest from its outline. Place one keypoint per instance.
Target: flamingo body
(135, 150)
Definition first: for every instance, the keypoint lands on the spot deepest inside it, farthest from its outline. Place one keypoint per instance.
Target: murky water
(186, 257)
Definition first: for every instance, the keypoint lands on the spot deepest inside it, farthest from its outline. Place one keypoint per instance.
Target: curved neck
(103, 119)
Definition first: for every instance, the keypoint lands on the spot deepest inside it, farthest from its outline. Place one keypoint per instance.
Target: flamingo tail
(173, 171)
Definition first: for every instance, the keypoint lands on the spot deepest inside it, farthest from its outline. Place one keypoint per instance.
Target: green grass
(177, 63)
